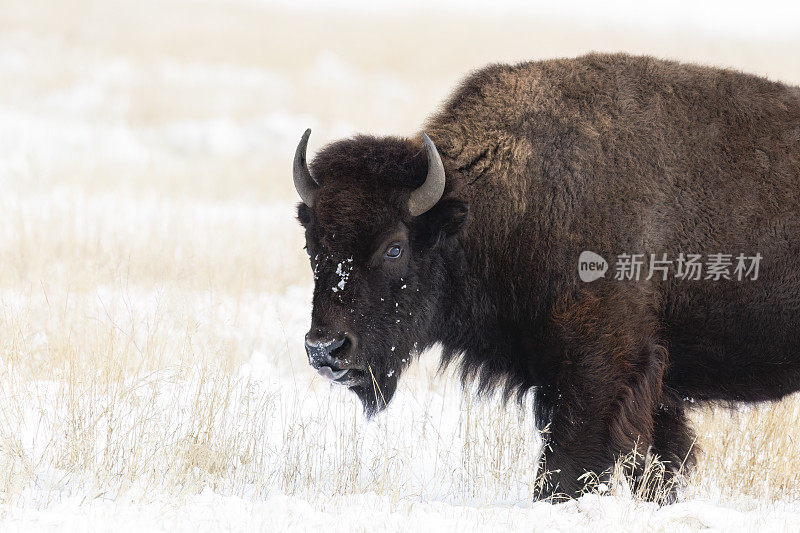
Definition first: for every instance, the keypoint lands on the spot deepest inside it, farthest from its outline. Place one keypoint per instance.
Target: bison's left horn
(426, 195)
(303, 181)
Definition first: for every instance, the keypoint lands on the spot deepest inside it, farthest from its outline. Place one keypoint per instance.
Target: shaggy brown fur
(609, 153)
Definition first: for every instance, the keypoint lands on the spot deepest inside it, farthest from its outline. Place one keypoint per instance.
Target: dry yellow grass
(153, 290)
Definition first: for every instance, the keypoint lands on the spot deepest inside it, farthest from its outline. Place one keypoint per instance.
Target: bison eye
(394, 251)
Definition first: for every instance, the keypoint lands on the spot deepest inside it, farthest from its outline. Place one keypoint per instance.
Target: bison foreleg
(606, 395)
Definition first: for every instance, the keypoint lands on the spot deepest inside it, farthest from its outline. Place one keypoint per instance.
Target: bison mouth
(331, 374)
(341, 376)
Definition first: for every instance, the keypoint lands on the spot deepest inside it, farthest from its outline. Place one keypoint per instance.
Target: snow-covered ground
(154, 293)
(369, 512)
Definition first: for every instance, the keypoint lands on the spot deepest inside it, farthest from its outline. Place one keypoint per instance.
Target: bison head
(380, 227)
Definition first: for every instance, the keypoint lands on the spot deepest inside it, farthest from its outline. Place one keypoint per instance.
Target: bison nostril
(342, 349)
(332, 346)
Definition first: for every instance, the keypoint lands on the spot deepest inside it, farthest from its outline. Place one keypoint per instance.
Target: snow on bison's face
(378, 234)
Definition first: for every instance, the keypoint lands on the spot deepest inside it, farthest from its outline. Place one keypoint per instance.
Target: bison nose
(328, 352)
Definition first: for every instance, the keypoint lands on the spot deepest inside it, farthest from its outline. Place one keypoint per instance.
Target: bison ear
(449, 216)
(303, 214)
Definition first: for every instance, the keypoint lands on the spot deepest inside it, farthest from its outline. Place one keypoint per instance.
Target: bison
(472, 239)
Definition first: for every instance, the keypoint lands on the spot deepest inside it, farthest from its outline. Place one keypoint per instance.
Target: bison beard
(471, 240)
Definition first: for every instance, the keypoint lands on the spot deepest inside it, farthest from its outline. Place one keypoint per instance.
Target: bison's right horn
(303, 181)
(426, 195)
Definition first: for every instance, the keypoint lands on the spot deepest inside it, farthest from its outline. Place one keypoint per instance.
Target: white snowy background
(154, 292)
